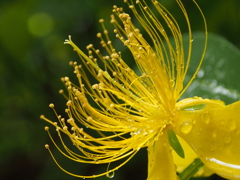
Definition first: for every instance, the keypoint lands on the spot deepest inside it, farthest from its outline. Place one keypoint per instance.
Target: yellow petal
(160, 160)
(214, 134)
(190, 156)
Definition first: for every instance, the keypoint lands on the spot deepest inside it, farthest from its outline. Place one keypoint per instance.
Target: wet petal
(161, 165)
(190, 156)
(214, 134)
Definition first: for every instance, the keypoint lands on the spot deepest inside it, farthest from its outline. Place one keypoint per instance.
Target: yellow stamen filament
(127, 111)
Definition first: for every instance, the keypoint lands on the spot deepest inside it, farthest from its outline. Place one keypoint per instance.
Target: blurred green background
(33, 58)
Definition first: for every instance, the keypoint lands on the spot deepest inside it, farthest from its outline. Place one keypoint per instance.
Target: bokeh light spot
(40, 24)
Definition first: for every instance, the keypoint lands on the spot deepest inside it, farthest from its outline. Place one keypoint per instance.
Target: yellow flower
(122, 112)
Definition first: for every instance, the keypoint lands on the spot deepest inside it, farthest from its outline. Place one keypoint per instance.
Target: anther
(89, 119)
(69, 103)
(89, 46)
(46, 146)
(105, 31)
(99, 35)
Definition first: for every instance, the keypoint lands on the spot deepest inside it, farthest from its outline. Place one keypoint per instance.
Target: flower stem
(191, 169)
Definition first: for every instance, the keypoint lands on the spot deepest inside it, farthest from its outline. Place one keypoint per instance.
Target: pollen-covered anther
(95, 86)
(69, 103)
(46, 128)
(89, 119)
(80, 130)
(62, 120)
(137, 31)
(113, 20)
(66, 78)
(109, 42)
(115, 31)
(99, 35)
(68, 83)
(111, 105)
(58, 128)
(127, 42)
(101, 20)
(105, 31)
(46, 146)
(106, 57)
(100, 73)
(73, 128)
(61, 91)
(70, 120)
(65, 128)
(130, 35)
(89, 46)
(101, 86)
(51, 105)
(114, 55)
(114, 74)
(97, 51)
(131, 6)
(137, 1)
(42, 117)
(127, 69)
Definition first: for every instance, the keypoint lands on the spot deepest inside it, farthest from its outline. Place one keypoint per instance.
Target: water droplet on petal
(231, 125)
(214, 134)
(227, 139)
(110, 174)
(205, 118)
(186, 127)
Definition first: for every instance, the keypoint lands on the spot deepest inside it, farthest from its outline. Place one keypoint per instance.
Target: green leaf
(191, 170)
(217, 78)
(173, 140)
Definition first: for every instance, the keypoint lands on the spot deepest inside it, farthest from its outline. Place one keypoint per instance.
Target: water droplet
(227, 139)
(205, 118)
(214, 134)
(186, 127)
(212, 148)
(110, 174)
(231, 125)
